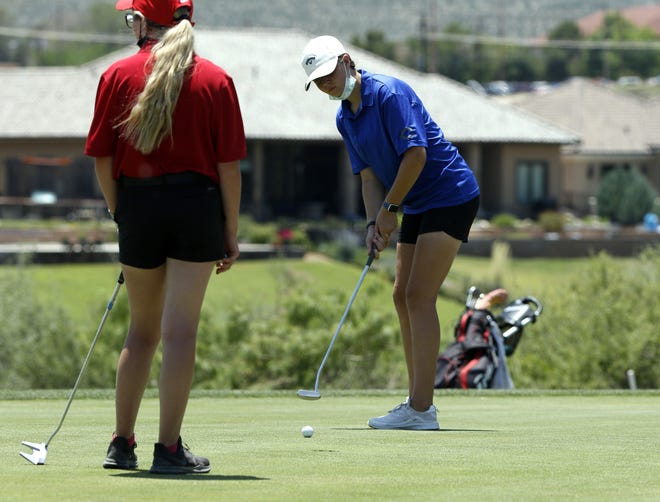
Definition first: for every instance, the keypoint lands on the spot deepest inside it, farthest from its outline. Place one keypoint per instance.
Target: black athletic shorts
(181, 221)
(453, 220)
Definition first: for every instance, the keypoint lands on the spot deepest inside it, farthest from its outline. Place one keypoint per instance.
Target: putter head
(38, 455)
(311, 395)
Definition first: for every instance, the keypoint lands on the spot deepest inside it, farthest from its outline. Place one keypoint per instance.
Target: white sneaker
(405, 417)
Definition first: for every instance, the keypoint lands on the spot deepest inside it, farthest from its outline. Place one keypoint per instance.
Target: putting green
(492, 446)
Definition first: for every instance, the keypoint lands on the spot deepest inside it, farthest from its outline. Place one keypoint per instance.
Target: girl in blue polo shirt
(405, 165)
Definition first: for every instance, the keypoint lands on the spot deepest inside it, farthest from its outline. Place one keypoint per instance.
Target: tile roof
(58, 102)
(41, 102)
(607, 121)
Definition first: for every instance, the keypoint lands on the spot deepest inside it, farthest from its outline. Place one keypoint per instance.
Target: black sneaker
(120, 455)
(181, 462)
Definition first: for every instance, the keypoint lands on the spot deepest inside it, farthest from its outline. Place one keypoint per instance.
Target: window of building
(608, 167)
(531, 181)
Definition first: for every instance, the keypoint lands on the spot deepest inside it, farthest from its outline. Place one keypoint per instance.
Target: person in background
(405, 164)
(167, 137)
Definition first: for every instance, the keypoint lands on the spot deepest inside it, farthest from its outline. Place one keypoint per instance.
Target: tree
(453, 59)
(568, 30)
(562, 63)
(98, 18)
(520, 65)
(374, 41)
(612, 63)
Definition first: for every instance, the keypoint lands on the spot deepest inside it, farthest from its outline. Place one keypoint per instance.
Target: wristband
(370, 223)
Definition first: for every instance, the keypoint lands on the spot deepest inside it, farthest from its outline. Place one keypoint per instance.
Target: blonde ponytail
(150, 119)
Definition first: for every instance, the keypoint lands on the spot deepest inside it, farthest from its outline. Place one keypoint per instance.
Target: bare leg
(404, 258)
(184, 294)
(434, 254)
(170, 297)
(145, 290)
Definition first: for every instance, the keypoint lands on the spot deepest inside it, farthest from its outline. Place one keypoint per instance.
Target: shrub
(504, 221)
(40, 348)
(656, 206)
(100, 372)
(596, 326)
(551, 221)
(261, 233)
(625, 196)
(283, 350)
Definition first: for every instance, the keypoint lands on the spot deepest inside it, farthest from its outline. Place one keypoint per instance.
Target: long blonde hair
(150, 118)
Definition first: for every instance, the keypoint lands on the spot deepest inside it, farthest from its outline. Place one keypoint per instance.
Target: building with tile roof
(616, 130)
(297, 165)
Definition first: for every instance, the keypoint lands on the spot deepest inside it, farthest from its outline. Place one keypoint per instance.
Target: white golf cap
(319, 57)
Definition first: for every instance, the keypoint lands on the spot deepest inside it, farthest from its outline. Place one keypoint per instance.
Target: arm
(372, 196)
(103, 167)
(372, 193)
(409, 170)
(230, 186)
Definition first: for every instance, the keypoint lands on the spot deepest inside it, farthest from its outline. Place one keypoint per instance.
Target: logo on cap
(310, 60)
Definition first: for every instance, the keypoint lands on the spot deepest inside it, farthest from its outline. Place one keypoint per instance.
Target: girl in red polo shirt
(167, 137)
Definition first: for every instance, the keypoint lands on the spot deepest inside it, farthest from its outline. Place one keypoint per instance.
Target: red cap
(158, 11)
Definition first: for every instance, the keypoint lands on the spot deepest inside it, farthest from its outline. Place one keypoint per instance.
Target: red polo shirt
(208, 127)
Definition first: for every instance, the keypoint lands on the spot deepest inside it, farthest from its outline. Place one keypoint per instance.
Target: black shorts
(453, 220)
(185, 222)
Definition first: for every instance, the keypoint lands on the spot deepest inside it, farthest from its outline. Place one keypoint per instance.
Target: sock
(131, 440)
(173, 448)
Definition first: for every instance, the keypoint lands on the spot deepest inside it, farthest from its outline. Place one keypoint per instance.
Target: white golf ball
(307, 431)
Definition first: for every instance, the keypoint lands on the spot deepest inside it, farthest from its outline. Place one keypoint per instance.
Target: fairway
(519, 445)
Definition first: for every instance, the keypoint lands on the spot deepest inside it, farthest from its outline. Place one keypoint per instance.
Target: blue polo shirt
(392, 119)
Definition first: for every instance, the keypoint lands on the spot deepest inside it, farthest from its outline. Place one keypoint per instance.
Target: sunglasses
(129, 17)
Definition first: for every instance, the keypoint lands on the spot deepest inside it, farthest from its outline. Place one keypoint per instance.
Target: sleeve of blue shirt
(404, 122)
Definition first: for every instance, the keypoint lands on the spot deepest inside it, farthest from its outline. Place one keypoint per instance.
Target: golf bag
(514, 317)
(471, 361)
(482, 341)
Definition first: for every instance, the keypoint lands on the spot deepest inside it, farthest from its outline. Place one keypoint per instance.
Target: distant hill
(345, 18)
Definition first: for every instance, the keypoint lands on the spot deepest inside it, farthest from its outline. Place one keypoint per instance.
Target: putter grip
(372, 256)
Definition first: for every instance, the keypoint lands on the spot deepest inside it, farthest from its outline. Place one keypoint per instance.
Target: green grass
(520, 445)
(522, 275)
(81, 290)
(76, 287)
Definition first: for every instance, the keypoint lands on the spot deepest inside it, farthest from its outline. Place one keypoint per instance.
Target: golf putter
(40, 450)
(315, 394)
